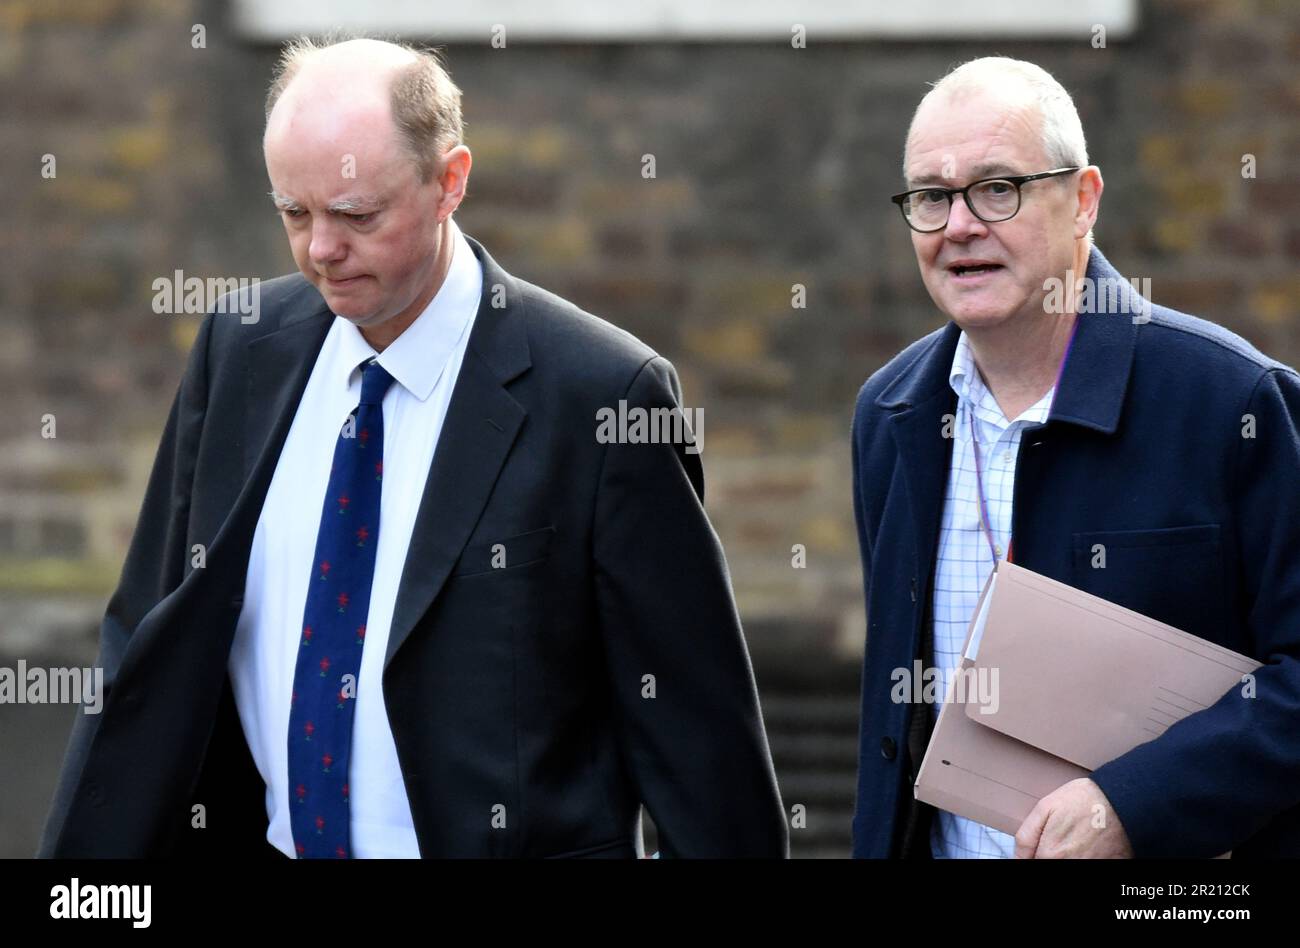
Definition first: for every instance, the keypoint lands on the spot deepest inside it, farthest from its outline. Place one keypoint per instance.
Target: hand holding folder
(1080, 681)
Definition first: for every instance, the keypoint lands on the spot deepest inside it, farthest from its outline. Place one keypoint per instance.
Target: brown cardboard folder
(1068, 682)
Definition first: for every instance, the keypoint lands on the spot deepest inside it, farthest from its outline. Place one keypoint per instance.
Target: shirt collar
(965, 379)
(962, 376)
(416, 359)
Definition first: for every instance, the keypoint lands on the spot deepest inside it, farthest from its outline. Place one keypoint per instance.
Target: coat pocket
(1174, 575)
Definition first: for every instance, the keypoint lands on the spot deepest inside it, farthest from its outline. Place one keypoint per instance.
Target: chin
(969, 315)
(348, 311)
(349, 307)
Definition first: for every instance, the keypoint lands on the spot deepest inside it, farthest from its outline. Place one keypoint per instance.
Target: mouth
(345, 282)
(970, 270)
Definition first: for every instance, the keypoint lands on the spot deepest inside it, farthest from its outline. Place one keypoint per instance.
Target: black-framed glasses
(992, 200)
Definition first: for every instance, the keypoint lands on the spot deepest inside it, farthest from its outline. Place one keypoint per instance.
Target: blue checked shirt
(965, 562)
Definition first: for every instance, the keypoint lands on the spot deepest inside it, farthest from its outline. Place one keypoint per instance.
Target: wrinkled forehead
(973, 133)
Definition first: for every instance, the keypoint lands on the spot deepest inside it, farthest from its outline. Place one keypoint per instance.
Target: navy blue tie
(334, 631)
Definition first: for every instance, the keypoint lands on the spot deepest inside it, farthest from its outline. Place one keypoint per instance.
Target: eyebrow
(349, 204)
(980, 171)
(354, 203)
(283, 203)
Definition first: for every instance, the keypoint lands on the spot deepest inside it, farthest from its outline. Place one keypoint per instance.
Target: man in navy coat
(1063, 421)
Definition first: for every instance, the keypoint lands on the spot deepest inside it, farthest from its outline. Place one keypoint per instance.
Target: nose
(962, 224)
(327, 244)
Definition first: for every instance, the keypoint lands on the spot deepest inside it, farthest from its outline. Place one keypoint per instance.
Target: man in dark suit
(1062, 421)
(522, 633)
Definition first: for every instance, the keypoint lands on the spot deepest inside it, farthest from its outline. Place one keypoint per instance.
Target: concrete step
(803, 748)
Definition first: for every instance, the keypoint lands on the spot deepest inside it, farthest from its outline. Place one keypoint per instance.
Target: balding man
(1058, 415)
(436, 612)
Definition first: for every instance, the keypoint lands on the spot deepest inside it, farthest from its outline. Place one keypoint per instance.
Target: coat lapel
(1095, 379)
(482, 421)
(920, 398)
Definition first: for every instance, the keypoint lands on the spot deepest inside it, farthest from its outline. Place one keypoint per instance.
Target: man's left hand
(1074, 821)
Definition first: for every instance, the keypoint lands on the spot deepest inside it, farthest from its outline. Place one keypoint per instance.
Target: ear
(1088, 195)
(453, 180)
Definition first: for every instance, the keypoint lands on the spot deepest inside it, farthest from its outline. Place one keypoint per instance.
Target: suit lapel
(277, 366)
(482, 421)
(272, 394)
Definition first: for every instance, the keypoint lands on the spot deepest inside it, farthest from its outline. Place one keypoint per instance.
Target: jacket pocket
(1174, 575)
(504, 554)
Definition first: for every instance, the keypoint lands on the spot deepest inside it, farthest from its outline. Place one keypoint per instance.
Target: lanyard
(979, 481)
(985, 520)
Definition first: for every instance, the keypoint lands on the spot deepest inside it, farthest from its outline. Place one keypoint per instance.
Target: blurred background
(773, 160)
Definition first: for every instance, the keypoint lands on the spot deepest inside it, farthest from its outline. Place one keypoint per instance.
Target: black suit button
(237, 601)
(888, 749)
(95, 793)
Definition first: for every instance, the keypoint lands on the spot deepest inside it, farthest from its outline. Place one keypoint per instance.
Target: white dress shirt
(965, 560)
(425, 361)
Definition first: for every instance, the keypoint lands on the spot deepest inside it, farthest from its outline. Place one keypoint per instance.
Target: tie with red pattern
(334, 630)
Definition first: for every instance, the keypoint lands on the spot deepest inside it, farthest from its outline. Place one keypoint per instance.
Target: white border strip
(728, 20)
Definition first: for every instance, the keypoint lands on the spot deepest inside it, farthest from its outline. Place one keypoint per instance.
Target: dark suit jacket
(519, 686)
(1143, 453)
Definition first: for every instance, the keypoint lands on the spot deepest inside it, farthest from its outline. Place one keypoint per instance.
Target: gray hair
(425, 102)
(1061, 131)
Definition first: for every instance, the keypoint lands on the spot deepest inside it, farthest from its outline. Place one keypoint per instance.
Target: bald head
(398, 88)
(351, 79)
(1024, 92)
